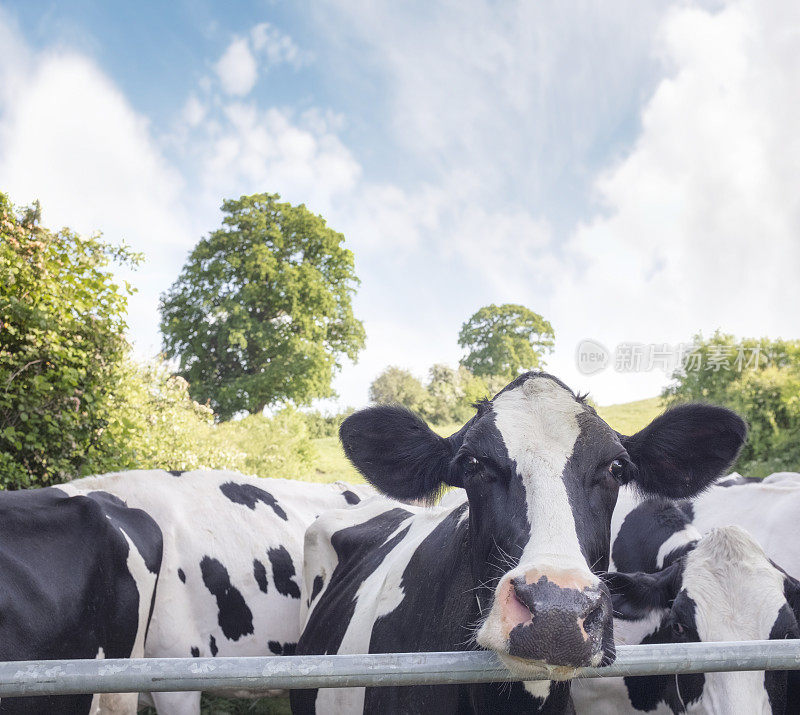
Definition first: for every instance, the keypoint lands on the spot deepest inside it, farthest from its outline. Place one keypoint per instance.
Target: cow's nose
(560, 621)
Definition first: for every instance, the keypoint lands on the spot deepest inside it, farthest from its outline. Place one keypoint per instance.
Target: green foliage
(397, 386)
(325, 425)
(446, 399)
(452, 394)
(62, 323)
(505, 340)
(760, 379)
(262, 312)
(153, 423)
(277, 446)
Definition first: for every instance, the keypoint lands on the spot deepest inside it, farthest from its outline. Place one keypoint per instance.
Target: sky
(628, 170)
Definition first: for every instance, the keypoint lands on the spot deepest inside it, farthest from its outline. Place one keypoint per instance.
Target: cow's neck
(515, 698)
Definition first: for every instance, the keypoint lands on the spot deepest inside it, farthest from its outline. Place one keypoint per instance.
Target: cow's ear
(684, 450)
(637, 595)
(398, 453)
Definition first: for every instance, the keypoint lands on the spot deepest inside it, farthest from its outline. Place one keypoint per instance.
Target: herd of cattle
(556, 539)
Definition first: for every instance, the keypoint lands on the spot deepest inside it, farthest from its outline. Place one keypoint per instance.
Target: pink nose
(559, 617)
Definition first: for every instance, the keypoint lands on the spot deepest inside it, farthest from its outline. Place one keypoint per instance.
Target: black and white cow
(767, 509)
(718, 587)
(78, 575)
(512, 568)
(233, 548)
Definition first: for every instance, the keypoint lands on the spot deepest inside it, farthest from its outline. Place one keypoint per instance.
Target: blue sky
(625, 169)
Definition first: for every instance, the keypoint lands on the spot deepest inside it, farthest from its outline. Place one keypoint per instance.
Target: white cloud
(500, 112)
(701, 218)
(513, 93)
(237, 69)
(194, 111)
(249, 150)
(69, 138)
(276, 47)
(266, 47)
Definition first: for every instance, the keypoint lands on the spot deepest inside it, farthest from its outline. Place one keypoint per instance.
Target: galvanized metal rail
(340, 671)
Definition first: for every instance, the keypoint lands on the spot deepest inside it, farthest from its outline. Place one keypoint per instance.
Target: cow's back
(230, 580)
(232, 557)
(768, 510)
(75, 584)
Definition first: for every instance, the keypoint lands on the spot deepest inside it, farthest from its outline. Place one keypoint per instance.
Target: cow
(511, 569)
(233, 548)
(734, 480)
(79, 573)
(718, 587)
(767, 509)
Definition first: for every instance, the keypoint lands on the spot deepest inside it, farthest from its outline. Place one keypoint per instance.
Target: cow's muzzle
(561, 622)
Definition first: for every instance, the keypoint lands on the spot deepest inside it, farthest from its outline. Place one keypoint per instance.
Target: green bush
(770, 401)
(452, 394)
(398, 386)
(760, 379)
(153, 423)
(62, 344)
(277, 446)
(325, 425)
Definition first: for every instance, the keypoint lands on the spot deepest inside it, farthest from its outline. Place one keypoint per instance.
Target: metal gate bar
(340, 671)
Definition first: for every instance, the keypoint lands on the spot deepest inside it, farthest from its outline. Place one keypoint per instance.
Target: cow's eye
(475, 469)
(617, 470)
(471, 464)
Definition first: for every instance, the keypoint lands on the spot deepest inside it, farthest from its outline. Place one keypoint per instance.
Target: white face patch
(737, 594)
(538, 422)
(677, 540)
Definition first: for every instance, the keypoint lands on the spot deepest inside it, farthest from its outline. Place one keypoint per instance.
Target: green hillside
(630, 417)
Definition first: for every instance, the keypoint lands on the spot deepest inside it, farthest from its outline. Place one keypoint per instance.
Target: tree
(397, 386)
(504, 340)
(62, 344)
(262, 312)
(760, 379)
(452, 394)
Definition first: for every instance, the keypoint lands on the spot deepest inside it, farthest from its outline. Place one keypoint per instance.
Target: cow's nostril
(524, 592)
(593, 616)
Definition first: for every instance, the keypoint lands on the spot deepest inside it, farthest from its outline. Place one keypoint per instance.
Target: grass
(211, 705)
(331, 465)
(630, 417)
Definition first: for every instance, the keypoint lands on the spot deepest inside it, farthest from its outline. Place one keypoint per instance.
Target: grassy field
(630, 417)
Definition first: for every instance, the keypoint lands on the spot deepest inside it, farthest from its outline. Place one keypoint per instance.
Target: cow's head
(726, 589)
(541, 471)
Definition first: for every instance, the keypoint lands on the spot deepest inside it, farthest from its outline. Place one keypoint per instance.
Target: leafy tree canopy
(262, 311)
(760, 379)
(62, 323)
(505, 340)
(398, 386)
